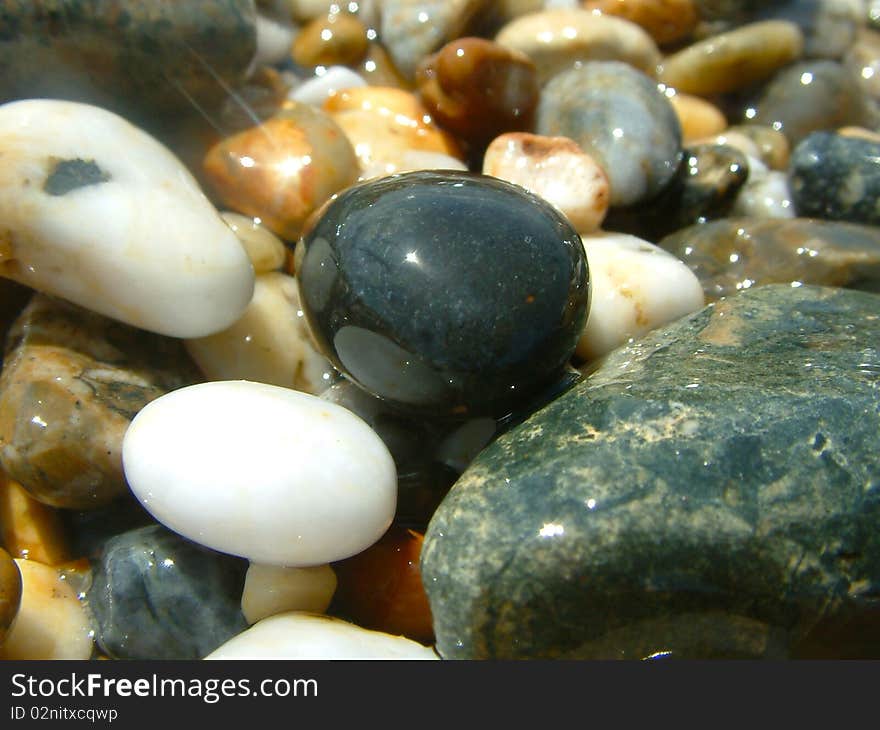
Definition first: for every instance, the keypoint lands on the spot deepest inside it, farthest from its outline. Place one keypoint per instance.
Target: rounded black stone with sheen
(444, 292)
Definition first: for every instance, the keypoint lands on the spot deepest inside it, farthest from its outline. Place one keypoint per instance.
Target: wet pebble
(829, 26)
(264, 249)
(337, 39)
(273, 589)
(10, 593)
(666, 21)
(698, 118)
(316, 90)
(619, 117)
(766, 194)
(30, 529)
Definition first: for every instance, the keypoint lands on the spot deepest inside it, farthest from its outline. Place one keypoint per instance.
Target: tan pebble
(273, 589)
(51, 622)
(666, 21)
(409, 161)
(283, 169)
(772, 145)
(336, 39)
(265, 250)
(556, 169)
(734, 139)
(859, 133)
(10, 593)
(378, 69)
(698, 117)
(734, 60)
(556, 40)
(30, 529)
(269, 344)
(382, 122)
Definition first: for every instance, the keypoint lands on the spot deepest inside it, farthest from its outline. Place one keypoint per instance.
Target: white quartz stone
(51, 622)
(636, 287)
(145, 247)
(316, 90)
(273, 589)
(766, 194)
(297, 635)
(267, 473)
(270, 343)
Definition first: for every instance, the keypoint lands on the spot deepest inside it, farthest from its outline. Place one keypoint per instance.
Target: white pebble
(274, 39)
(317, 90)
(637, 287)
(766, 194)
(298, 635)
(273, 589)
(145, 246)
(267, 473)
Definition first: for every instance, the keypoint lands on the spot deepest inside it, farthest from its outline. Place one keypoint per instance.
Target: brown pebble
(666, 21)
(378, 69)
(698, 117)
(30, 529)
(10, 593)
(337, 39)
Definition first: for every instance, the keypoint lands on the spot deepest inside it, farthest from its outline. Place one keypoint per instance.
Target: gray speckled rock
(810, 96)
(837, 178)
(156, 595)
(712, 490)
(617, 115)
(733, 254)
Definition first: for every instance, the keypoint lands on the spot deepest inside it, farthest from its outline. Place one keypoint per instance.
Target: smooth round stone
(733, 60)
(829, 26)
(130, 236)
(51, 622)
(698, 117)
(273, 589)
(156, 595)
(444, 292)
(666, 21)
(555, 169)
(863, 61)
(10, 593)
(770, 145)
(30, 529)
(807, 97)
(558, 39)
(766, 194)
(837, 178)
(637, 287)
(264, 248)
(619, 117)
(410, 161)
(275, 36)
(264, 472)
(316, 90)
(337, 39)
(296, 635)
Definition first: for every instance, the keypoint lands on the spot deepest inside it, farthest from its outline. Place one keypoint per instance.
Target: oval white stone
(273, 589)
(297, 635)
(142, 244)
(267, 473)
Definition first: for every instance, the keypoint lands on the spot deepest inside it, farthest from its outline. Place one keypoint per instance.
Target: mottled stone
(558, 39)
(706, 187)
(71, 382)
(138, 59)
(339, 38)
(766, 194)
(156, 595)
(478, 89)
(732, 255)
(618, 116)
(411, 29)
(648, 511)
(771, 145)
(30, 529)
(698, 118)
(10, 593)
(316, 90)
(837, 178)
(829, 26)
(666, 21)
(807, 97)
(733, 60)
(446, 293)
(283, 169)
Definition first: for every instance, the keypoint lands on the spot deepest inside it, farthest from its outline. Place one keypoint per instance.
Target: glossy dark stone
(447, 293)
(156, 595)
(837, 178)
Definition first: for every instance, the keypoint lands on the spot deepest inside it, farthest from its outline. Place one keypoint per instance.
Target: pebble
(264, 249)
(269, 344)
(385, 125)
(859, 133)
(443, 292)
(271, 589)
(139, 240)
(619, 117)
(411, 29)
(10, 593)
(338, 39)
(381, 588)
(836, 178)
(557, 40)
(766, 194)
(698, 118)
(156, 595)
(829, 26)
(410, 161)
(771, 146)
(275, 36)
(478, 89)
(70, 385)
(30, 529)
(299, 635)
(321, 485)
(283, 169)
(555, 169)
(733, 60)
(315, 91)
(51, 622)
(862, 60)
(807, 97)
(733, 255)
(666, 21)
(654, 472)
(379, 70)
(637, 287)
